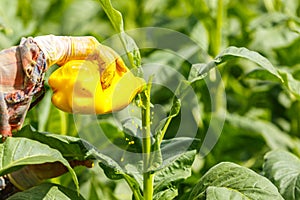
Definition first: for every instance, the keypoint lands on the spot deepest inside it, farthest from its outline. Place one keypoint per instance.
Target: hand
(111, 62)
(22, 71)
(61, 49)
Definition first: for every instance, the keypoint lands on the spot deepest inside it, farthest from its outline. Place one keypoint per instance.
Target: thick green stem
(146, 122)
(216, 48)
(217, 37)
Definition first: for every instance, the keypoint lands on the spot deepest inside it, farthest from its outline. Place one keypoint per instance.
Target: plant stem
(63, 122)
(219, 27)
(146, 122)
(216, 48)
(164, 130)
(216, 41)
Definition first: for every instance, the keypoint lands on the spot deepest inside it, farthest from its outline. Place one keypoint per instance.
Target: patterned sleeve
(22, 70)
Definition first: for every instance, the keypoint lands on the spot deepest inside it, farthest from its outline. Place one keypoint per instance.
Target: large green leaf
(71, 148)
(234, 177)
(198, 71)
(235, 52)
(47, 191)
(18, 152)
(283, 169)
(166, 180)
(176, 166)
(114, 171)
(77, 148)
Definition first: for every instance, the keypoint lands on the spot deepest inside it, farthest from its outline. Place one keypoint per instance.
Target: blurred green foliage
(261, 114)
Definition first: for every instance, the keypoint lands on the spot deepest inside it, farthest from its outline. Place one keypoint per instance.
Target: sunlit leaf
(76, 148)
(70, 147)
(283, 169)
(114, 171)
(18, 152)
(234, 177)
(235, 52)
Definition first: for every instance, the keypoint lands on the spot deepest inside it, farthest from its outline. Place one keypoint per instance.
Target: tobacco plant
(247, 149)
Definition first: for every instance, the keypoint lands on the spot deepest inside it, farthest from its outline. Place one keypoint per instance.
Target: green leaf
(223, 193)
(234, 177)
(166, 180)
(267, 72)
(134, 185)
(173, 149)
(235, 52)
(132, 130)
(71, 148)
(175, 109)
(112, 135)
(18, 152)
(162, 127)
(77, 148)
(291, 83)
(169, 193)
(47, 191)
(111, 168)
(196, 72)
(176, 166)
(283, 169)
(113, 171)
(116, 19)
